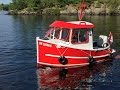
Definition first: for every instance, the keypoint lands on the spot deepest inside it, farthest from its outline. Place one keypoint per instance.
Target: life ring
(91, 60)
(63, 60)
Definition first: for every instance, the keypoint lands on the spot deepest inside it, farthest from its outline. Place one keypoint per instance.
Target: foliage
(38, 5)
(53, 11)
(21, 4)
(4, 7)
(18, 4)
(1, 7)
(112, 4)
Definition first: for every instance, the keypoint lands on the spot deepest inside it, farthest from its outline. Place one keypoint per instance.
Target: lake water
(18, 56)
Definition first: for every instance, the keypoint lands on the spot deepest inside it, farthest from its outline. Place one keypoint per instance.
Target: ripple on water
(18, 56)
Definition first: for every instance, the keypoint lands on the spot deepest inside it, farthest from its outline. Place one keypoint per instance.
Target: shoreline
(68, 10)
(36, 13)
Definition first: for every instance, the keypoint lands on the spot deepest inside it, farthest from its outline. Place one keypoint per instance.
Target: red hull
(48, 54)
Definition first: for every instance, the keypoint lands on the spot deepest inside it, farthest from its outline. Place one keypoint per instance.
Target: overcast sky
(5, 1)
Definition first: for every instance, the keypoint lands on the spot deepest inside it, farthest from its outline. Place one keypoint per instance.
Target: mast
(81, 9)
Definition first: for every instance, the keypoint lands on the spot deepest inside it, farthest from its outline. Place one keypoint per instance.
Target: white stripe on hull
(73, 57)
(37, 38)
(68, 65)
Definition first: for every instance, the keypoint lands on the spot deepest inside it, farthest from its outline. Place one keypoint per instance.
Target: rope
(61, 54)
(86, 53)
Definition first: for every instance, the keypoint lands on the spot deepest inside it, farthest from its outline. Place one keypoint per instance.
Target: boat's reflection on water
(72, 78)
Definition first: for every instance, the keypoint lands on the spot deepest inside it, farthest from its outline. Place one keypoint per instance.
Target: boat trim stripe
(37, 38)
(68, 65)
(56, 56)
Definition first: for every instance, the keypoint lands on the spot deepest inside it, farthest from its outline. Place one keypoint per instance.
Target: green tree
(41, 4)
(18, 4)
(114, 5)
(4, 7)
(1, 6)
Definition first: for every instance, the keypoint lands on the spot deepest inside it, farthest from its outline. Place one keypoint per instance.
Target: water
(18, 56)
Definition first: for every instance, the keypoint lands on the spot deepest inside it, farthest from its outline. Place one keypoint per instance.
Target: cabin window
(65, 34)
(57, 33)
(79, 36)
(49, 33)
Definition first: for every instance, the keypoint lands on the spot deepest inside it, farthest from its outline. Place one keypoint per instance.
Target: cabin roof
(72, 24)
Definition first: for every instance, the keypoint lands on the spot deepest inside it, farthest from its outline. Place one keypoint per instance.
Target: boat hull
(50, 54)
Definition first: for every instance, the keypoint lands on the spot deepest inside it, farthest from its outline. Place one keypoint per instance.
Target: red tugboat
(70, 44)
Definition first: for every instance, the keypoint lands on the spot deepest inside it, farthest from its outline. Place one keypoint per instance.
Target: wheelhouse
(77, 32)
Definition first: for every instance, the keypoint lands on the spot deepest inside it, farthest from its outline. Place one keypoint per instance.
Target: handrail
(82, 23)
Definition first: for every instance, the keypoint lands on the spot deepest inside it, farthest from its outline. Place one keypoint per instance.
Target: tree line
(35, 5)
(4, 7)
(40, 4)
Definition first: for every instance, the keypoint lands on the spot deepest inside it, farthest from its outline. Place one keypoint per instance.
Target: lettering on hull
(45, 44)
